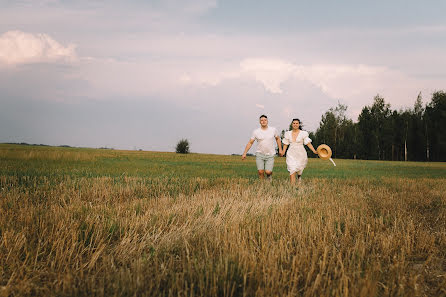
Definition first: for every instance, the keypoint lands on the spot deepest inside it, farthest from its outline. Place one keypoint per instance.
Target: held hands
(243, 157)
(281, 153)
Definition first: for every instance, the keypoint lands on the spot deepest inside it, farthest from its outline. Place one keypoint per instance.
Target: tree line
(380, 133)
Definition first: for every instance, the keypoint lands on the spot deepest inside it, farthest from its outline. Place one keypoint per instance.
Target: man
(266, 151)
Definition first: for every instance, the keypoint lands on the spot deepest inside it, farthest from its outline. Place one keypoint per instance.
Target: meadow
(92, 222)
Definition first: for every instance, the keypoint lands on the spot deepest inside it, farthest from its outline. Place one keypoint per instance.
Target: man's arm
(279, 144)
(248, 146)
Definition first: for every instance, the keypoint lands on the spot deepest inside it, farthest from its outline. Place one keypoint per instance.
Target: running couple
(296, 157)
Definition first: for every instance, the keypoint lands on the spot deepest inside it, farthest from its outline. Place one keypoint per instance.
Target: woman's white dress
(296, 156)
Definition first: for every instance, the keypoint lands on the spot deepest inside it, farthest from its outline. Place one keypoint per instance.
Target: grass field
(90, 222)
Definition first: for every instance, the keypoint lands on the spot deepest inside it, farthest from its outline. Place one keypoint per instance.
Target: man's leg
(269, 164)
(269, 175)
(260, 161)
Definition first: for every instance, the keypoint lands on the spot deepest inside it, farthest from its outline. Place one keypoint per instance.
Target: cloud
(348, 82)
(335, 80)
(313, 88)
(433, 29)
(190, 7)
(17, 47)
(270, 72)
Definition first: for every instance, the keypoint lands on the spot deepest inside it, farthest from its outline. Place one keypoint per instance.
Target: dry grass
(84, 236)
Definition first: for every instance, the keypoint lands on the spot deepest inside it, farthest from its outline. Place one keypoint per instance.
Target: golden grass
(27, 153)
(175, 235)
(234, 238)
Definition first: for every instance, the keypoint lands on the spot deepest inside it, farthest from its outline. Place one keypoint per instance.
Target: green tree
(375, 129)
(348, 142)
(417, 132)
(182, 146)
(336, 130)
(366, 139)
(399, 124)
(435, 117)
(380, 111)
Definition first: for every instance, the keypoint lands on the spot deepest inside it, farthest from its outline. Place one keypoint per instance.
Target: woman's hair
(300, 124)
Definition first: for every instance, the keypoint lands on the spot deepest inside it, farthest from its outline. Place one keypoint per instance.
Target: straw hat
(324, 151)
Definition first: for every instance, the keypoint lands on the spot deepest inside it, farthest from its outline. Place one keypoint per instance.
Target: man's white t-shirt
(266, 139)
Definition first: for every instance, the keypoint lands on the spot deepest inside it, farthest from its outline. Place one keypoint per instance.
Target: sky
(144, 74)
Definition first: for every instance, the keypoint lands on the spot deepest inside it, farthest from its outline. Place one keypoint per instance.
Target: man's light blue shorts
(265, 162)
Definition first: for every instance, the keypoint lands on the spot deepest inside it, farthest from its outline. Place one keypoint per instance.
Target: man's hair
(263, 116)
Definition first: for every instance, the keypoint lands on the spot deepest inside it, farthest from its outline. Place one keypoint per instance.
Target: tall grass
(192, 233)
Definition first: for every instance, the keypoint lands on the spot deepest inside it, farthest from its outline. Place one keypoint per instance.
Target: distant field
(91, 222)
(75, 162)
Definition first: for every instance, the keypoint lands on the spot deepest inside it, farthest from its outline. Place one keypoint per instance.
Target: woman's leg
(299, 176)
(293, 178)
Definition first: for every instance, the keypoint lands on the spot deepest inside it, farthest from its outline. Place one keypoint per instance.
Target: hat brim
(324, 152)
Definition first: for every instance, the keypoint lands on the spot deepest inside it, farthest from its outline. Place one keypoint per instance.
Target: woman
(296, 156)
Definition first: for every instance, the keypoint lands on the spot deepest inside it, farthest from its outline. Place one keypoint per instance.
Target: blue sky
(144, 74)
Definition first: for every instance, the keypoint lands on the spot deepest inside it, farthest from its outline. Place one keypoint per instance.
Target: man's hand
(248, 146)
(281, 153)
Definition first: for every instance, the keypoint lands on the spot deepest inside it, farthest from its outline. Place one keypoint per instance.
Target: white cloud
(335, 80)
(352, 84)
(433, 29)
(17, 47)
(191, 7)
(270, 72)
